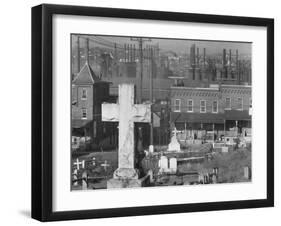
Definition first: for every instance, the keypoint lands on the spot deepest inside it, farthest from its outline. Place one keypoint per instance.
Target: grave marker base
(127, 183)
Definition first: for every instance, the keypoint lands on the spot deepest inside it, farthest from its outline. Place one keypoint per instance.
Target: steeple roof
(86, 76)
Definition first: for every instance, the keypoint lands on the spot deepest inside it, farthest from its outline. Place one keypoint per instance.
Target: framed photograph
(146, 112)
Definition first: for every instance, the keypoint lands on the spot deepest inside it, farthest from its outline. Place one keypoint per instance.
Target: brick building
(88, 93)
(218, 108)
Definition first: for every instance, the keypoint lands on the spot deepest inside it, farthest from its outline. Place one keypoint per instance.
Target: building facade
(88, 93)
(218, 108)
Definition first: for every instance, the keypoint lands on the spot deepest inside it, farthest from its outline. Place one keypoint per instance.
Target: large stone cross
(126, 113)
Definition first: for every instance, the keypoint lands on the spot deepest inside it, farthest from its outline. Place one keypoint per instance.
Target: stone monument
(126, 113)
(173, 165)
(174, 145)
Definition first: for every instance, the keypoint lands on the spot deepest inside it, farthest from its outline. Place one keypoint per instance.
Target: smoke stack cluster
(130, 53)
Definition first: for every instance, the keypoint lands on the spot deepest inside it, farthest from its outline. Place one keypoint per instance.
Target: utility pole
(151, 94)
(78, 54)
(87, 50)
(140, 42)
(116, 61)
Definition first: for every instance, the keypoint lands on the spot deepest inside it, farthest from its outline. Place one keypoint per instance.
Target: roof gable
(86, 76)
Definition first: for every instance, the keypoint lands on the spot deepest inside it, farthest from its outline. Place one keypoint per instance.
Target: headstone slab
(84, 180)
(224, 149)
(173, 165)
(151, 148)
(163, 163)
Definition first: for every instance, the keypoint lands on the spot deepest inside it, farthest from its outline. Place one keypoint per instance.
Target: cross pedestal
(126, 113)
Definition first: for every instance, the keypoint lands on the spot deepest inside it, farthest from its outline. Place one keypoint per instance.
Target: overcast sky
(178, 46)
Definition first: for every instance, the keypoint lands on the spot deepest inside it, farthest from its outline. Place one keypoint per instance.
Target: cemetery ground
(193, 163)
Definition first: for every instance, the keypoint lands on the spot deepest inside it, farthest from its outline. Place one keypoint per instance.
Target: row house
(218, 108)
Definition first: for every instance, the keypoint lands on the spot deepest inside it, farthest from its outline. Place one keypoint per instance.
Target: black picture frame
(42, 108)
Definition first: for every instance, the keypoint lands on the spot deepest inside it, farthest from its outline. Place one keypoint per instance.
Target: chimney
(204, 57)
(131, 53)
(192, 60)
(134, 53)
(224, 64)
(197, 57)
(78, 54)
(125, 54)
(229, 66)
(237, 68)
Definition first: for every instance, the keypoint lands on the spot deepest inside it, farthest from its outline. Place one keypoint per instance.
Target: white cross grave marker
(105, 165)
(77, 163)
(126, 113)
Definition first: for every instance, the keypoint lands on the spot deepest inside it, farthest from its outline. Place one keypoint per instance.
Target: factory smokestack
(204, 57)
(192, 61)
(78, 54)
(192, 56)
(87, 50)
(224, 63)
(237, 68)
(197, 57)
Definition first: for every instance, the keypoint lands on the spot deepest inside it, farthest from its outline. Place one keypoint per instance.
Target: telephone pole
(78, 54)
(151, 93)
(140, 42)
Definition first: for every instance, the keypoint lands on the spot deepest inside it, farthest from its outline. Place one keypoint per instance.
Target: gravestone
(224, 149)
(126, 113)
(173, 165)
(75, 177)
(247, 172)
(200, 178)
(77, 163)
(150, 174)
(163, 164)
(151, 149)
(105, 165)
(94, 161)
(214, 178)
(174, 145)
(84, 180)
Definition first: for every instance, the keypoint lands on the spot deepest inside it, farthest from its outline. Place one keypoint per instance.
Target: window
(250, 102)
(177, 105)
(84, 94)
(202, 106)
(239, 103)
(75, 141)
(215, 106)
(84, 113)
(189, 105)
(227, 103)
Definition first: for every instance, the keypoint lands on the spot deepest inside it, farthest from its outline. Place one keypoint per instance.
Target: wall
(16, 108)
(82, 103)
(210, 95)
